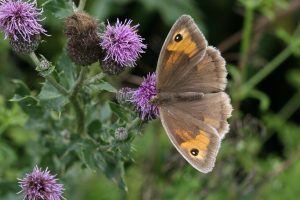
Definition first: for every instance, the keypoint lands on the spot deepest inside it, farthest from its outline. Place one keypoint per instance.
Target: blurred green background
(259, 157)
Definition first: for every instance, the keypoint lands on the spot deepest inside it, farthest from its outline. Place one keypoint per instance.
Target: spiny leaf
(50, 98)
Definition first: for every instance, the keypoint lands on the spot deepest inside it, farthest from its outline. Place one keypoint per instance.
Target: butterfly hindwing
(197, 142)
(212, 109)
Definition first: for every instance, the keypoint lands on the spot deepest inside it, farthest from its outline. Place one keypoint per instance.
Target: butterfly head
(154, 101)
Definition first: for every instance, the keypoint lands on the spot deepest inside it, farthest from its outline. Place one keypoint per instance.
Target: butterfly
(193, 107)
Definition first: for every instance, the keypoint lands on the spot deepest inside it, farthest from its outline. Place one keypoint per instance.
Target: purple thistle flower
(122, 44)
(40, 185)
(142, 96)
(20, 20)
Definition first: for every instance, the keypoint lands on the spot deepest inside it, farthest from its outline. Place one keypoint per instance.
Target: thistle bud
(112, 68)
(124, 95)
(45, 67)
(121, 134)
(83, 43)
(23, 46)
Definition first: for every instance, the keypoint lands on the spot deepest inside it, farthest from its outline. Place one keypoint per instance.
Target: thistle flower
(142, 96)
(122, 44)
(121, 134)
(21, 24)
(40, 185)
(83, 44)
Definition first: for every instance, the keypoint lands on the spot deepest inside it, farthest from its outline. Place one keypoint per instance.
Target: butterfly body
(191, 78)
(171, 97)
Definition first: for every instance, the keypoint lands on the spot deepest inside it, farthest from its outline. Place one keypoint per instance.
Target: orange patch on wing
(186, 46)
(200, 142)
(184, 134)
(172, 59)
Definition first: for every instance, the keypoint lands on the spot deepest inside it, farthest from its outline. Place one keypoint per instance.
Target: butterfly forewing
(184, 47)
(196, 142)
(207, 76)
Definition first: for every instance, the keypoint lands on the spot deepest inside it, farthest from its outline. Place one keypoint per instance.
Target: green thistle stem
(133, 123)
(73, 96)
(81, 4)
(245, 46)
(78, 84)
(271, 66)
(265, 71)
(79, 116)
(94, 79)
(290, 107)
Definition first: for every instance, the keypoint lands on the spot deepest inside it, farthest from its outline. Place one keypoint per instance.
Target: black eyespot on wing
(178, 37)
(194, 152)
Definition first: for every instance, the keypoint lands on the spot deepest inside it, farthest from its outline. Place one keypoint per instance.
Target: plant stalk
(78, 84)
(264, 72)
(79, 110)
(245, 45)
(290, 107)
(81, 4)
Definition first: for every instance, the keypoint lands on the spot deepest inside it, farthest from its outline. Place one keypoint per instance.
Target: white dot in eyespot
(178, 37)
(194, 152)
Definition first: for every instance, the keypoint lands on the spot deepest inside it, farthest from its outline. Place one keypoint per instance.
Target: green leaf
(50, 98)
(30, 105)
(66, 69)
(85, 153)
(118, 110)
(108, 87)
(59, 8)
(112, 167)
(22, 89)
(12, 116)
(94, 127)
(98, 87)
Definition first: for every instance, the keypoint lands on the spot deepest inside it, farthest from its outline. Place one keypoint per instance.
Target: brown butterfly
(191, 78)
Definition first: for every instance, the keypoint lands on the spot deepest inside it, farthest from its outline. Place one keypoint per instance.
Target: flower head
(20, 20)
(40, 185)
(83, 38)
(142, 96)
(122, 44)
